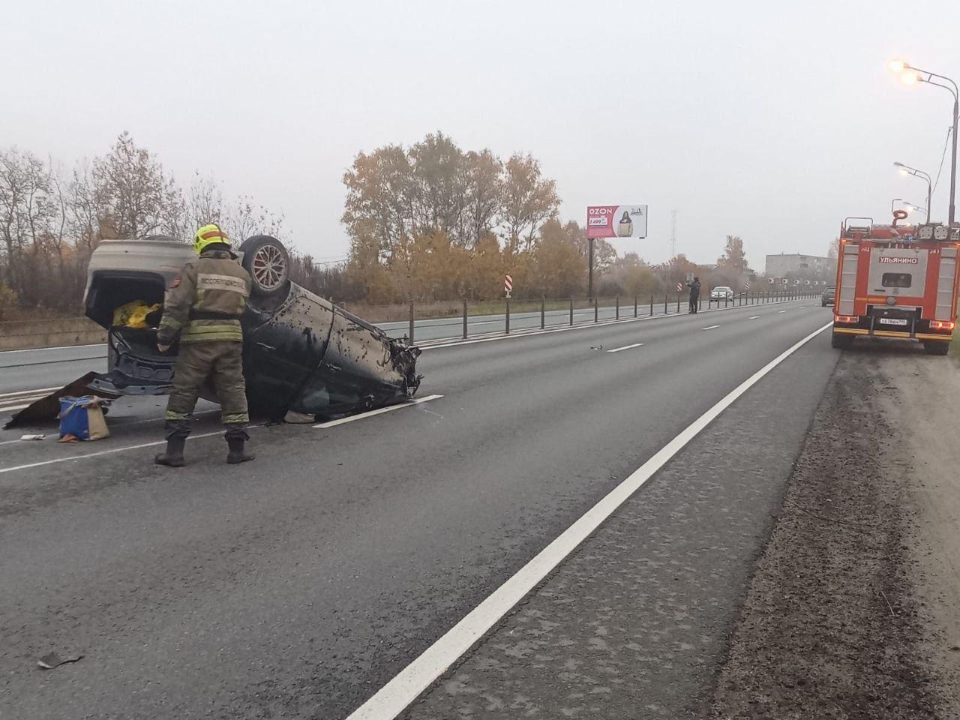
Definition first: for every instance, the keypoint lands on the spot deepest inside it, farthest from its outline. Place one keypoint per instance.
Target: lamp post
(907, 170)
(910, 75)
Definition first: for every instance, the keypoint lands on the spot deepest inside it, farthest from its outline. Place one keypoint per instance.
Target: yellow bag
(133, 314)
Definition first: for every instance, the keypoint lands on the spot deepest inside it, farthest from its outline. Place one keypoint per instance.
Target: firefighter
(695, 295)
(203, 305)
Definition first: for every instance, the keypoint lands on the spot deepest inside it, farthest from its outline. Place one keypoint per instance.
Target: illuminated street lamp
(907, 170)
(911, 75)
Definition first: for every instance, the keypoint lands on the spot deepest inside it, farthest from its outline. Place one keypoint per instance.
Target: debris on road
(47, 408)
(33, 437)
(82, 418)
(53, 660)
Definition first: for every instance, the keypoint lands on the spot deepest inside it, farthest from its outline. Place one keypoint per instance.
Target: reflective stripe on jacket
(213, 286)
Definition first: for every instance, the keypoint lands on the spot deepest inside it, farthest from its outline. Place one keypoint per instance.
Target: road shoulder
(637, 619)
(853, 610)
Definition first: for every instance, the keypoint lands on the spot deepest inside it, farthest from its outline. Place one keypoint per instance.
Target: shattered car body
(301, 353)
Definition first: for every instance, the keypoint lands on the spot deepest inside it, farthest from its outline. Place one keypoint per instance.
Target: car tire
(267, 261)
(841, 341)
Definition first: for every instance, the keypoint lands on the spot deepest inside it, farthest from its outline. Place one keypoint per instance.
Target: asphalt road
(297, 585)
(22, 370)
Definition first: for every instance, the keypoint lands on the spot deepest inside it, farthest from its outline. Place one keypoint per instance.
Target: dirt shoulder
(854, 609)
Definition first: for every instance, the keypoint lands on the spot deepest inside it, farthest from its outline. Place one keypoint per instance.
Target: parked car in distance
(721, 293)
(828, 296)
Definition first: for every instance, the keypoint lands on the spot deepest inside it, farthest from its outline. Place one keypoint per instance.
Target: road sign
(507, 284)
(746, 286)
(785, 281)
(679, 287)
(770, 281)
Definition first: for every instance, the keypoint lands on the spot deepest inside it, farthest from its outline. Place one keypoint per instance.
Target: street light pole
(916, 75)
(923, 176)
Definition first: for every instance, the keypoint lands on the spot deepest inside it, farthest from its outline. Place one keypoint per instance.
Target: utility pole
(673, 235)
(590, 280)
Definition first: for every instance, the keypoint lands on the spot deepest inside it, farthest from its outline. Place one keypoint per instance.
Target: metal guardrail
(550, 313)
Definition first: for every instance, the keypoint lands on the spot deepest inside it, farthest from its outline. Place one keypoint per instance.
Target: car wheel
(268, 263)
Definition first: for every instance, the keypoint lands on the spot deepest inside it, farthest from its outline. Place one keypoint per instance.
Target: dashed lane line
(753, 318)
(711, 327)
(379, 411)
(625, 347)
(394, 697)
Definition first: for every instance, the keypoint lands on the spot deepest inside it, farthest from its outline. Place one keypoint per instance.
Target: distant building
(783, 265)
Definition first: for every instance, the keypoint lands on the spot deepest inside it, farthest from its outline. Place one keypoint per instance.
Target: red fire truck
(896, 282)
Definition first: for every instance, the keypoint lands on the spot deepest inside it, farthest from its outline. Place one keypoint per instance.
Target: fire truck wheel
(935, 347)
(841, 341)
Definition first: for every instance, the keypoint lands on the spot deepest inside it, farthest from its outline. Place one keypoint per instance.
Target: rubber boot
(236, 453)
(173, 457)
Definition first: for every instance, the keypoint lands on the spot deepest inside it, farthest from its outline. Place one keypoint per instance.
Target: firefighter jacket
(206, 300)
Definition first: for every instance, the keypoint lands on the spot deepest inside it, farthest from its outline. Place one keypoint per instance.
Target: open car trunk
(300, 352)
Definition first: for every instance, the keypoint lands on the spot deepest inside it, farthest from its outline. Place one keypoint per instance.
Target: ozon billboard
(617, 221)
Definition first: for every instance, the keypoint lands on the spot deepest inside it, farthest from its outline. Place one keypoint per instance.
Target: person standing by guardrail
(695, 295)
(203, 306)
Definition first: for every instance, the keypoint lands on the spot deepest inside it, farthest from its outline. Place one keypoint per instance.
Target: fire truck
(896, 282)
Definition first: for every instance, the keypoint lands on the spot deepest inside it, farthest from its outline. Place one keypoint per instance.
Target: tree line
(52, 218)
(428, 222)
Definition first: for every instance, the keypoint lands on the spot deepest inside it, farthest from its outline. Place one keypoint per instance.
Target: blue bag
(83, 418)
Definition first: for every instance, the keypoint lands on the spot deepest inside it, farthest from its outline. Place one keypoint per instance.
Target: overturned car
(301, 353)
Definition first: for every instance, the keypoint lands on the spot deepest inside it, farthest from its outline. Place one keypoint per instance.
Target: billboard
(617, 221)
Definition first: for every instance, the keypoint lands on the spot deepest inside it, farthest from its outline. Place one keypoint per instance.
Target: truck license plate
(893, 321)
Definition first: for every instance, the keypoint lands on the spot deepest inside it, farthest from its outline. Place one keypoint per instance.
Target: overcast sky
(766, 119)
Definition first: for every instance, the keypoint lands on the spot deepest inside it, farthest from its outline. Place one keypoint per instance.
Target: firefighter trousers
(220, 363)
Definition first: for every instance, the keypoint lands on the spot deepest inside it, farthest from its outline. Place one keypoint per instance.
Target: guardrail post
(666, 310)
(678, 302)
(411, 322)
(571, 311)
(618, 307)
(508, 316)
(636, 306)
(464, 319)
(543, 311)
(596, 309)
(651, 304)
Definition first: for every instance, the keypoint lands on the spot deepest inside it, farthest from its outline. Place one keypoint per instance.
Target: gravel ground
(853, 609)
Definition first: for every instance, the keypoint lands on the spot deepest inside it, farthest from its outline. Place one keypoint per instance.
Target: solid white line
(7, 408)
(405, 687)
(626, 347)
(379, 411)
(711, 327)
(107, 452)
(58, 347)
(40, 392)
(753, 318)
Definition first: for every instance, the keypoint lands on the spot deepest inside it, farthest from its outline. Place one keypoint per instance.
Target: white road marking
(40, 392)
(112, 451)
(711, 327)
(753, 318)
(8, 408)
(58, 347)
(405, 687)
(625, 347)
(781, 311)
(379, 411)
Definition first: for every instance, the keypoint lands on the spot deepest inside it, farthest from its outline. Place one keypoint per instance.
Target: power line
(942, 158)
